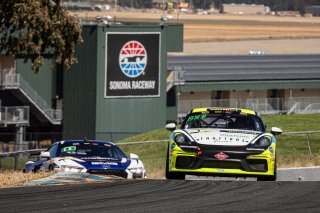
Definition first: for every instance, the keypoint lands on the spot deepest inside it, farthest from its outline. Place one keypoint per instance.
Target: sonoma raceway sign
(132, 65)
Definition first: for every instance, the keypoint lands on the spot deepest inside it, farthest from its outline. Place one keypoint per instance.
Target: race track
(165, 196)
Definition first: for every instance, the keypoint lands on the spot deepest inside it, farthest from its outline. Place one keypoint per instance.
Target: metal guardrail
(7, 154)
(141, 142)
(16, 81)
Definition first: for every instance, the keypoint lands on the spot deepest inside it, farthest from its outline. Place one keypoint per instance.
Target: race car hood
(224, 137)
(98, 162)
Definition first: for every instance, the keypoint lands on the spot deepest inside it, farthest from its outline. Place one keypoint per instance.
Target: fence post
(310, 153)
(15, 162)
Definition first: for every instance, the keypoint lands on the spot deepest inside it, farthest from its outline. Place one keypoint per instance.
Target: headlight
(67, 168)
(181, 138)
(137, 170)
(262, 143)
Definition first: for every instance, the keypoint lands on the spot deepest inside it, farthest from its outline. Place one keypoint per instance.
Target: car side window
(53, 150)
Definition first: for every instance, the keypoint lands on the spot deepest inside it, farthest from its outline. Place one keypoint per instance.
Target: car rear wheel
(173, 175)
(51, 168)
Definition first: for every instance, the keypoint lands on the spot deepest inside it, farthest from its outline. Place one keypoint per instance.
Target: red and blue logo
(133, 59)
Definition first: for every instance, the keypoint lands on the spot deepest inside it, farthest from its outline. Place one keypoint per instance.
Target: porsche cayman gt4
(229, 142)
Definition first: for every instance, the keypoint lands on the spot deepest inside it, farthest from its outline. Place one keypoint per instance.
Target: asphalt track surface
(165, 196)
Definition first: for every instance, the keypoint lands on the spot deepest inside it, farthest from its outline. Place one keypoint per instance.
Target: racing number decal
(69, 149)
(197, 117)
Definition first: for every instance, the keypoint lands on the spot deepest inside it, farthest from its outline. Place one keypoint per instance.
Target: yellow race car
(229, 142)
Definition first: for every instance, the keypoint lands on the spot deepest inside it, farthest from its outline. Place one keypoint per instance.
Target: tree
(37, 28)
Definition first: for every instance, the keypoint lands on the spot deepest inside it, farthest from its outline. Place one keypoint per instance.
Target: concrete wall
(195, 95)
(247, 94)
(302, 93)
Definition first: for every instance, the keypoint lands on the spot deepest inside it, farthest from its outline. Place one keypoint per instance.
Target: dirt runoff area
(233, 34)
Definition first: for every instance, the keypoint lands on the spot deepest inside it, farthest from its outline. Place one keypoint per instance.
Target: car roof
(88, 141)
(225, 109)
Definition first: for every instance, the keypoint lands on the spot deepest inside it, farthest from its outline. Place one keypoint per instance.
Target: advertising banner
(132, 65)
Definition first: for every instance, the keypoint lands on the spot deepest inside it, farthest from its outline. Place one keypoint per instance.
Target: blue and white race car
(90, 156)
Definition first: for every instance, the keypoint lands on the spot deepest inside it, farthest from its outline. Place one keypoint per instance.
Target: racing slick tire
(173, 175)
(50, 168)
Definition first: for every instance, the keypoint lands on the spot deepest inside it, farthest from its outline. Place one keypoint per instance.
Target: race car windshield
(91, 150)
(222, 121)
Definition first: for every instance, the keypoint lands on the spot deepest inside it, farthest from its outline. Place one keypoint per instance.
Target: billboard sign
(132, 65)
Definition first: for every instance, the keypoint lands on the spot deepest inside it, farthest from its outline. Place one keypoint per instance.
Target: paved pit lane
(165, 196)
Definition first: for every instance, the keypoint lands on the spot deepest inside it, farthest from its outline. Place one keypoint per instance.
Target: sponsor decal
(104, 163)
(255, 149)
(188, 147)
(224, 139)
(224, 109)
(98, 158)
(221, 156)
(240, 132)
(132, 65)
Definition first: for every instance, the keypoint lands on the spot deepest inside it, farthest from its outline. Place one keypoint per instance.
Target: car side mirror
(45, 155)
(134, 156)
(170, 126)
(276, 131)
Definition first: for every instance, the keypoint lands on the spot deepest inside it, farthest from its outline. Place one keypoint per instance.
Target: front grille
(183, 162)
(116, 172)
(221, 165)
(258, 165)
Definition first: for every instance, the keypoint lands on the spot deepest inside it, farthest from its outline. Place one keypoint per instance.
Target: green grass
(153, 155)
(9, 163)
(292, 150)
